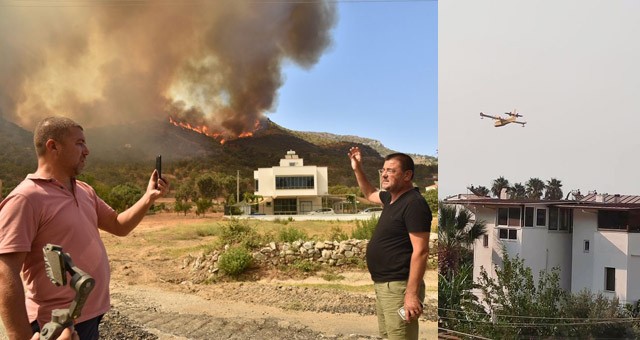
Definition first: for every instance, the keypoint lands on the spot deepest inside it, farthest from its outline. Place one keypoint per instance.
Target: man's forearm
(416, 271)
(364, 184)
(12, 304)
(131, 217)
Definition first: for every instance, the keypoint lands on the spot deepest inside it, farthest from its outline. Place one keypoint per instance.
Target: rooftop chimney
(504, 194)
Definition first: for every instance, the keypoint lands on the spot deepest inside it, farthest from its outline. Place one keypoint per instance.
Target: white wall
(584, 228)
(540, 248)
(484, 257)
(610, 250)
(633, 273)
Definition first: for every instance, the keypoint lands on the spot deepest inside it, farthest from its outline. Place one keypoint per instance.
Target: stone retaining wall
(327, 253)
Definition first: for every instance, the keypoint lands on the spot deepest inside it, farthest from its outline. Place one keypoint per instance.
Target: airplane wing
(489, 116)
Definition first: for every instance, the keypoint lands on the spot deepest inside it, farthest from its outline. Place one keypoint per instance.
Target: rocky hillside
(127, 152)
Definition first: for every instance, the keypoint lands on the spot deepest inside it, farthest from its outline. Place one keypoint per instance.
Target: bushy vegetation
(291, 234)
(364, 228)
(520, 307)
(123, 196)
(235, 261)
(306, 266)
(239, 233)
(336, 233)
(432, 199)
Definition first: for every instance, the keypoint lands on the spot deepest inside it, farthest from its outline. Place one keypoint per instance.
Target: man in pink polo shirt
(51, 206)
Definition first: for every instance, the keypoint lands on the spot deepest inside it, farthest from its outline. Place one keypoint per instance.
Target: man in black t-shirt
(397, 253)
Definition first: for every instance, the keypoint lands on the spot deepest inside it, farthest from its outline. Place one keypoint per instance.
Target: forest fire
(220, 137)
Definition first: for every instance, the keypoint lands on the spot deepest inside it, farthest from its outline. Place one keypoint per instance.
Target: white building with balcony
(594, 241)
(291, 188)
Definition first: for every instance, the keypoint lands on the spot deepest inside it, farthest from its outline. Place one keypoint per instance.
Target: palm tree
(479, 190)
(534, 188)
(456, 234)
(552, 190)
(517, 191)
(499, 184)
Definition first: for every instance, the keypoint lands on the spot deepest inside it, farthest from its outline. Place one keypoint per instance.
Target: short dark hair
(55, 128)
(406, 162)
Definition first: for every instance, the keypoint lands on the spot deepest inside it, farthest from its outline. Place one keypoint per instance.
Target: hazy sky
(570, 67)
(378, 80)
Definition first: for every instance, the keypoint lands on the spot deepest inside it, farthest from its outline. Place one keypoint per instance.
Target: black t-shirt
(389, 250)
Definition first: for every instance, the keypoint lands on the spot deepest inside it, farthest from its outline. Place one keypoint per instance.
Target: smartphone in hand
(159, 168)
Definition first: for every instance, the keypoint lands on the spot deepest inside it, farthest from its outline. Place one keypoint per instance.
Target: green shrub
(331, 276)
(337, 234)
(306, 266)
(235, 261)
(237, 232)
(280, 221)
(123, 196)
(291, 234)
(364, 228)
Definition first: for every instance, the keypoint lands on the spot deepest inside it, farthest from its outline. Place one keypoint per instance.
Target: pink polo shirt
(40, 211)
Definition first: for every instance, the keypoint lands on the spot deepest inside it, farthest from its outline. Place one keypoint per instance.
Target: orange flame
(215, 135)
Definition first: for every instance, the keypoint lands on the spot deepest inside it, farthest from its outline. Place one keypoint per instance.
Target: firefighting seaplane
(502, 121)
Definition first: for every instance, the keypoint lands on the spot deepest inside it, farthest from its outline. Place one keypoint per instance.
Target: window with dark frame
(285, 206)
(553, 218)
(256, 185)
(514, 217)
(528, 216)
(503, 216)
(541, 217)
(565, 219)
(609, 279)
(507, 234)
(613, 219)
(485, 240)
(586, 246)
(294, 182)
(509, 217)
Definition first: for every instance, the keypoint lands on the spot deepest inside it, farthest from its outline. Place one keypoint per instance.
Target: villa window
(294, 182)
(285, 206)
(610, 279)
(509, 217)
(560, 219)
(256, 185)
(541, 217)
(566, 219)
(613, 219)
(586, 247)
(507, 234)
(528, 216)
(553, 218)
(485, 240)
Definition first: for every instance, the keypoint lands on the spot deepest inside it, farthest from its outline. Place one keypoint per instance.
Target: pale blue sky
(377, 80)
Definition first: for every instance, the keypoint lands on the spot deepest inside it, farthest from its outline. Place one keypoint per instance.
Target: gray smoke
(206, 63)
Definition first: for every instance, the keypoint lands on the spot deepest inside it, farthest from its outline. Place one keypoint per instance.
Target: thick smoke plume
(206, 63)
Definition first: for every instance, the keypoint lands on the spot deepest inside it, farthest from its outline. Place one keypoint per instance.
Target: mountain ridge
(121, 153)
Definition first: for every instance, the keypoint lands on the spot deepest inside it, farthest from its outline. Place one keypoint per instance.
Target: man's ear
(51, 145)
(408, 175)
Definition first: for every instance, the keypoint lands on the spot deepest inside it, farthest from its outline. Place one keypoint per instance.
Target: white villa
(594, 240)
(292, 187)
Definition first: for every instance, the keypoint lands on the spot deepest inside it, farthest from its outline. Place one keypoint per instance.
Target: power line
(530, 317)
(462, 333)
(535, 325)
